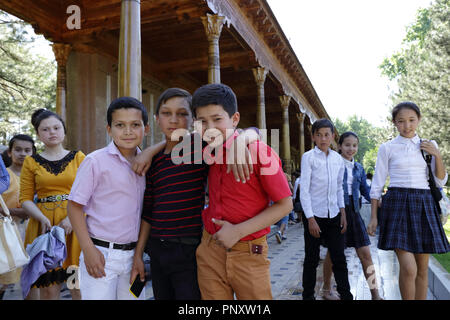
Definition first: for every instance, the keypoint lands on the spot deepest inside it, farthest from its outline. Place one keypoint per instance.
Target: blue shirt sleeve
(4, 177)
(364, 187)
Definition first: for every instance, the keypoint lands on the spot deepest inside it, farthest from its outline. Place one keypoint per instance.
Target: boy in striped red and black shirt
(173, 201)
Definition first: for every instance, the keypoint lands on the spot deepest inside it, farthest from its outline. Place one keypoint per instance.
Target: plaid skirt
(409, 220)
(356, 235)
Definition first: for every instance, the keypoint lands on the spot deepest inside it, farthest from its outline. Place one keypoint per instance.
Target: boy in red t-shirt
(232, 257)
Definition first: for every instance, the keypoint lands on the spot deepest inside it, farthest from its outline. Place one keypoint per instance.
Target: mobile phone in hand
(137, 286)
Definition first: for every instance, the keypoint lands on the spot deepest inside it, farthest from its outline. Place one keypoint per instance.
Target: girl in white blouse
(409, 220)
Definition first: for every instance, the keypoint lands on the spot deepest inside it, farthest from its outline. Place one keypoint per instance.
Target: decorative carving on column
(213, 24)
(260, 77)
(286, 150)
(61, 51)
(301, 123)
(129, 74)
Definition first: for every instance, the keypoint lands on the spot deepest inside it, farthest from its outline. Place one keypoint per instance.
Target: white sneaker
(278, 236)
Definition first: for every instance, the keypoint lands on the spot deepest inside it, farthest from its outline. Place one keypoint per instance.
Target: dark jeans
(174, 270)
(331, 235)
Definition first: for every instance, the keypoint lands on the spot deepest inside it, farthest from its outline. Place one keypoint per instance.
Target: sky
(340, 45)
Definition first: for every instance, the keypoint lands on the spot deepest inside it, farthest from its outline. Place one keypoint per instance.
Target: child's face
(51, 132)
(217, 125)
(174, 114)
(349, 147)
(322, 138)
(20, 150)
(127, 128)
(407, 122)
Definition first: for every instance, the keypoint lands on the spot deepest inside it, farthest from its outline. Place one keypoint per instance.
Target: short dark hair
(42, 114)
(405, 105)
(347, 134)
(322, 123)
(172, 93)
(217, 94)
(126, 103)
(22, 137)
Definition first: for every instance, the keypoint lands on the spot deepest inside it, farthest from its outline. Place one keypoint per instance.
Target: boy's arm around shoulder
(143, 160)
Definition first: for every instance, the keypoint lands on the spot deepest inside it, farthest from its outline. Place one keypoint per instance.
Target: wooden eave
(174, 44)
(267, 25)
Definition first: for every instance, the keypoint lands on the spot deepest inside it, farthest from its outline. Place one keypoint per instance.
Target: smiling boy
(232, 257)
(105, 205)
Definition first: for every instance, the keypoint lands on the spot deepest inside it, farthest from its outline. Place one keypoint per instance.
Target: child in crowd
(171, 216)
(173, 202)
(105, 205)
(20, 146)
(4, 177)
(232, 256)
(50, 174)
(322, 199)
(409, 219)
(354, 184)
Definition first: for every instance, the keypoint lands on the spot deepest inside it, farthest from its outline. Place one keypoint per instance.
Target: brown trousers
(223, 273)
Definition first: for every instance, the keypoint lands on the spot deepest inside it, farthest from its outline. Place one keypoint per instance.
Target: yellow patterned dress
(50, 178)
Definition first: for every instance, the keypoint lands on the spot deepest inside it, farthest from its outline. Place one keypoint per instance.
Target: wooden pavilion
(110, 48)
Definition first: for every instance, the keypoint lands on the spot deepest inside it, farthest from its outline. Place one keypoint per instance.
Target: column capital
(284, 100)
(260, 75)
(300, 117)
(213, 24)
(61, 52)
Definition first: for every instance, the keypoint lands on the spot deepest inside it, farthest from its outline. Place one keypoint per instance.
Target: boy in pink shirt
(105, 205)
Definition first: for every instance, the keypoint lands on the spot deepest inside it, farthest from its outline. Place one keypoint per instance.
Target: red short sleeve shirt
(237, 202)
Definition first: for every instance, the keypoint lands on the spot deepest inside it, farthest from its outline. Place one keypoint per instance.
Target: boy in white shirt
(322, 199)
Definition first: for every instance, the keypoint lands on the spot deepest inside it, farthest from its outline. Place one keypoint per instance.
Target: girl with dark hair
(20, 146)
(409, 219)
(50, 174)
(354, 185)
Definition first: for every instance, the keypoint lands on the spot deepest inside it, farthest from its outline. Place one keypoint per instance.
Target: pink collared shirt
(111, 194)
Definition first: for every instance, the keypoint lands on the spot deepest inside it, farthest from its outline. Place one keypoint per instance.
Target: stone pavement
(287, 265)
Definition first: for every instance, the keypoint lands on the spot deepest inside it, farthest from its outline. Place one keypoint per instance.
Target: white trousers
(116, 284)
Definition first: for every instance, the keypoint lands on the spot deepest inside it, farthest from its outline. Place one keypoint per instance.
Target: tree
(369, 136)
(27, 81)
(420, 69)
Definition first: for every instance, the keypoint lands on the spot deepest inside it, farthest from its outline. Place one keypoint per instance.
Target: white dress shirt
(349, 165)
(401, 160)
(321, 191)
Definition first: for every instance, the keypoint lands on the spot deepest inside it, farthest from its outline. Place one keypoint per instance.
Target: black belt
(126, 246)
(182, 240)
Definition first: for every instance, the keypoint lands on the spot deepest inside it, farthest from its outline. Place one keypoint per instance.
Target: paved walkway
(287, 265)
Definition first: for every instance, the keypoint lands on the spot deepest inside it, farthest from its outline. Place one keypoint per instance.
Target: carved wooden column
(61, 51)
(260, 77)
(286, 150)
(129, 73)
(301, 138)
(213, 27)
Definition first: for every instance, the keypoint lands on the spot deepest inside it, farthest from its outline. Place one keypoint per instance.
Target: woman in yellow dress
(50, 174)
(20, 146)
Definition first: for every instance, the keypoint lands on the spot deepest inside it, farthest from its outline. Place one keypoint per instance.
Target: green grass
(444, 259)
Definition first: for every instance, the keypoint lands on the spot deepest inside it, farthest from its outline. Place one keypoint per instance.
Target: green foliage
(421, 71)
(27, 81)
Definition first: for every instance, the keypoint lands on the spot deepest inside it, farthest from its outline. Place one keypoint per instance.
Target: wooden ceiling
(174, 44)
